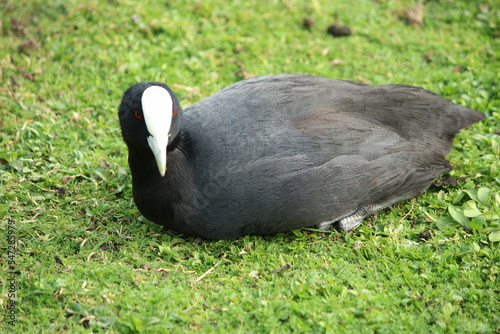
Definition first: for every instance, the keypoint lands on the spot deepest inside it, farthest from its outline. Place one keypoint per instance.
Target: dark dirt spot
(30, 76)
(308, 22)
(27, 47)
(58, 260)
(110, 246)
(282, 268)
(447, 181)
(467, 229)
(338, 30)
(60, 192)
(425, 235)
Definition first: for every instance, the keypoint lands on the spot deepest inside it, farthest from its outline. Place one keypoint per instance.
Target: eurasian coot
(275, 153)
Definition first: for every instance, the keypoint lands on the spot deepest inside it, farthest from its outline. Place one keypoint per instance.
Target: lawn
(77, 256)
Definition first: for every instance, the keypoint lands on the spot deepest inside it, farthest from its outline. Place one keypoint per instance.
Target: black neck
(145, 172)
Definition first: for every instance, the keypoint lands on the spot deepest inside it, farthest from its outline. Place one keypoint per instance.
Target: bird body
(276, 153)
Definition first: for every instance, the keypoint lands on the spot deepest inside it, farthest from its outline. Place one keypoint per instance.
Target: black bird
(276, 153)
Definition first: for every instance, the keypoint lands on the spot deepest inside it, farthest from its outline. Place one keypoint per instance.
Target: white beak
(157, 108)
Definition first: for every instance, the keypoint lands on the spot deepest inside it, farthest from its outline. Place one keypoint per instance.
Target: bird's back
(248, 117)
(275, 153)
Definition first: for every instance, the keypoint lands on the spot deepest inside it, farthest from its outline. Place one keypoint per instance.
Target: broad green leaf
(471, 204)
(490, 215)
(494, 236)
(472, 194)
(458, 197)
(102, 174)
(446, 222)
(471, 212)
(17, 165)
(484, 195)
(477, 223)
(448, 309)
(76, 308)
(458, 215)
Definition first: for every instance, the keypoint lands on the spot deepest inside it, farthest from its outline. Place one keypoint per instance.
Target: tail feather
(461, 117)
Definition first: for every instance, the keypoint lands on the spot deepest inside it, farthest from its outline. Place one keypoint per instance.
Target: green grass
(426, 265)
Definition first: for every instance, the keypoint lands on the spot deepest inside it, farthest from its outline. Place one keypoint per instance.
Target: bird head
(150, 119)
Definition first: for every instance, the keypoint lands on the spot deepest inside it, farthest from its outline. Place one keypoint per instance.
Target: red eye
(174, 113)
(137, 115)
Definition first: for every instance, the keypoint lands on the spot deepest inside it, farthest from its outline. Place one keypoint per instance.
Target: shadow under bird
(275, 153)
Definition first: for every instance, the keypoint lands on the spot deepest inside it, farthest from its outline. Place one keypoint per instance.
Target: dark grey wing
(370, 166)
(273, 103)
(416, 114)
